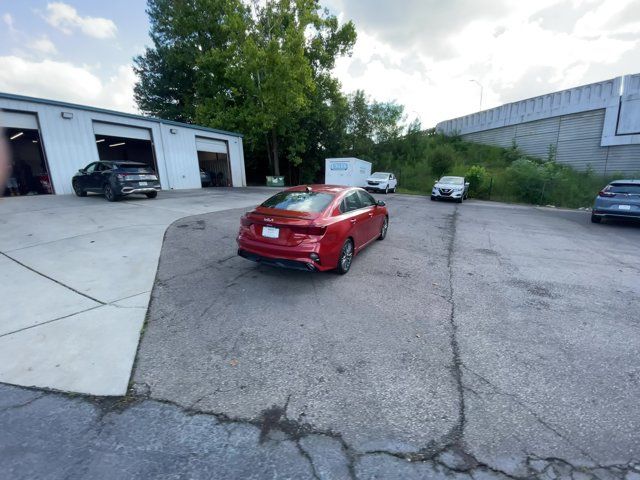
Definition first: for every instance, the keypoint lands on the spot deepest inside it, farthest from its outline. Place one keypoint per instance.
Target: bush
(525, 180)
(441, 159)
(476, 175)
(502, 174)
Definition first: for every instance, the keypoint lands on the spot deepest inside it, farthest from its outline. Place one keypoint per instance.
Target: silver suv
(621, 198)
(450, 188)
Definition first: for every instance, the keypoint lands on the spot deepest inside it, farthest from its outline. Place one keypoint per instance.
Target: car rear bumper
(298, 257)
(307, 266)
(128, 190)
(605, 212)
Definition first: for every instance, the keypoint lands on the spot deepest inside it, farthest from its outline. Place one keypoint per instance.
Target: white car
(382, 182)
(450, 188)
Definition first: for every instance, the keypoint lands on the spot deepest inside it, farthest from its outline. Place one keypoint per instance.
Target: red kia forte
(312, 227)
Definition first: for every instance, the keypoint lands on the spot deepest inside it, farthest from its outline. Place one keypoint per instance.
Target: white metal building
(51, 140)
(595, 125)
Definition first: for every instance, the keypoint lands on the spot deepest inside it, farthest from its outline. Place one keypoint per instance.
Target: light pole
(481, 91)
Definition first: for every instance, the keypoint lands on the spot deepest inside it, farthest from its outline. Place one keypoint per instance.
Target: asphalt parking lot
(476, 340)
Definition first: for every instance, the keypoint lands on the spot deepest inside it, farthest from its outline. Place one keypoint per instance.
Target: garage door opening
(213, 160)
(29, 175)
(119, 142)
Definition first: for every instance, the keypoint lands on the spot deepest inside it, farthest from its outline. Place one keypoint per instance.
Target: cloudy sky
(421, 53)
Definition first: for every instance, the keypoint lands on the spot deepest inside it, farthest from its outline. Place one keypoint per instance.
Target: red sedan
(312, 227)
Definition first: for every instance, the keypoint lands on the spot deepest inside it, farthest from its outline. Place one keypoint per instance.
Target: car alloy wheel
(346, 256)
(386, 190)
(78, 191)
(109, 194)
(383, 230)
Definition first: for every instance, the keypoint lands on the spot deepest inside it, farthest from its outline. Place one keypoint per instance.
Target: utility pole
(481, 91)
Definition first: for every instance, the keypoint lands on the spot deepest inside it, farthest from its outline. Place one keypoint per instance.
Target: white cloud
(67, 82)
(7, 19)
(515, 54)
(65, 18)
(43, 45)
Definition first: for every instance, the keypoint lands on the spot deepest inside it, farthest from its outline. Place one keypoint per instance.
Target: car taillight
(319, 231)
(245, 222)
(316, 230)
(604, 193)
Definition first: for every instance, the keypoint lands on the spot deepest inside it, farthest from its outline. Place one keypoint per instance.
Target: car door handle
(353, 220)
(370, 214)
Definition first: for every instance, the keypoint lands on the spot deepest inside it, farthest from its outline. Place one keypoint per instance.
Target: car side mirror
(466, 184)
(81, 170)
(380, 203)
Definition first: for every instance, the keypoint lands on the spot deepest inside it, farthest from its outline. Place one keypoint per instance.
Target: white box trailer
(349, 171)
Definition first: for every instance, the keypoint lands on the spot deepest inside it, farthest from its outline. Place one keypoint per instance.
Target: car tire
(433, 199)
(393, 190)
(78, 191)
(109, 194)
(151, 194)
(596, 218)
(346, 257)
(384, 228)
(386, 190)
(459, 200)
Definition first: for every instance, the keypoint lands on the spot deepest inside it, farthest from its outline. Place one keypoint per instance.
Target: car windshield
(452, 180)
(625, 188)
(311, 202)
(380, 175)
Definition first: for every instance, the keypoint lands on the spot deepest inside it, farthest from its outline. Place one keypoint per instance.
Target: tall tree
(370, 122)
(260, 69)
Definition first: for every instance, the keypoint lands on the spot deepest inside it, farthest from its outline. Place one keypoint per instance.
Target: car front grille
(445, 191)
(373, 183)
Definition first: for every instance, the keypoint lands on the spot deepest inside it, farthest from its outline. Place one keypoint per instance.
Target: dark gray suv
(621, 198)
(115, 179)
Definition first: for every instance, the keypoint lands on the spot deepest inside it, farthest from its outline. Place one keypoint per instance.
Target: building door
(123, 142)
(213, 158)
(30, 172)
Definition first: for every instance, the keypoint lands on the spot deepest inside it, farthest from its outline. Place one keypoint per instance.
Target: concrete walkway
(75, 280)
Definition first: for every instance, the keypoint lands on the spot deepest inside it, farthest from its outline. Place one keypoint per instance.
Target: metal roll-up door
(123, 131)
(211, 145)
(27, 121)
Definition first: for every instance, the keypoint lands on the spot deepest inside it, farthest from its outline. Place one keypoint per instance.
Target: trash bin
(275, 181)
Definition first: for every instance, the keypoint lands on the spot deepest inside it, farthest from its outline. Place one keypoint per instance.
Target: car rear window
(312, 202)
(624, 188)
(131, 168)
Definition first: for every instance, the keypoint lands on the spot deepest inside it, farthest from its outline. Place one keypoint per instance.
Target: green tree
(370, 123)
(259, 69)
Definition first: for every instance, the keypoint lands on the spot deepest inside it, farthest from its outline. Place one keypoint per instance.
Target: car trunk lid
(282, 227)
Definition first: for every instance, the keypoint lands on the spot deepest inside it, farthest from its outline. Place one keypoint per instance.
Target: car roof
(626, 182)
(123, 162)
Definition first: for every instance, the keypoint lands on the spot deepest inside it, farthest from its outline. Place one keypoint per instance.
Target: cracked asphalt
(476, 341)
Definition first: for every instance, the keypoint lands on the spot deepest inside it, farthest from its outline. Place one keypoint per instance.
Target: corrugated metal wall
(579, 141)
(577, 138)
(70, 144)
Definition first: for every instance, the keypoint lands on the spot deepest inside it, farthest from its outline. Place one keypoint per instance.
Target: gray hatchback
(621, 198)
